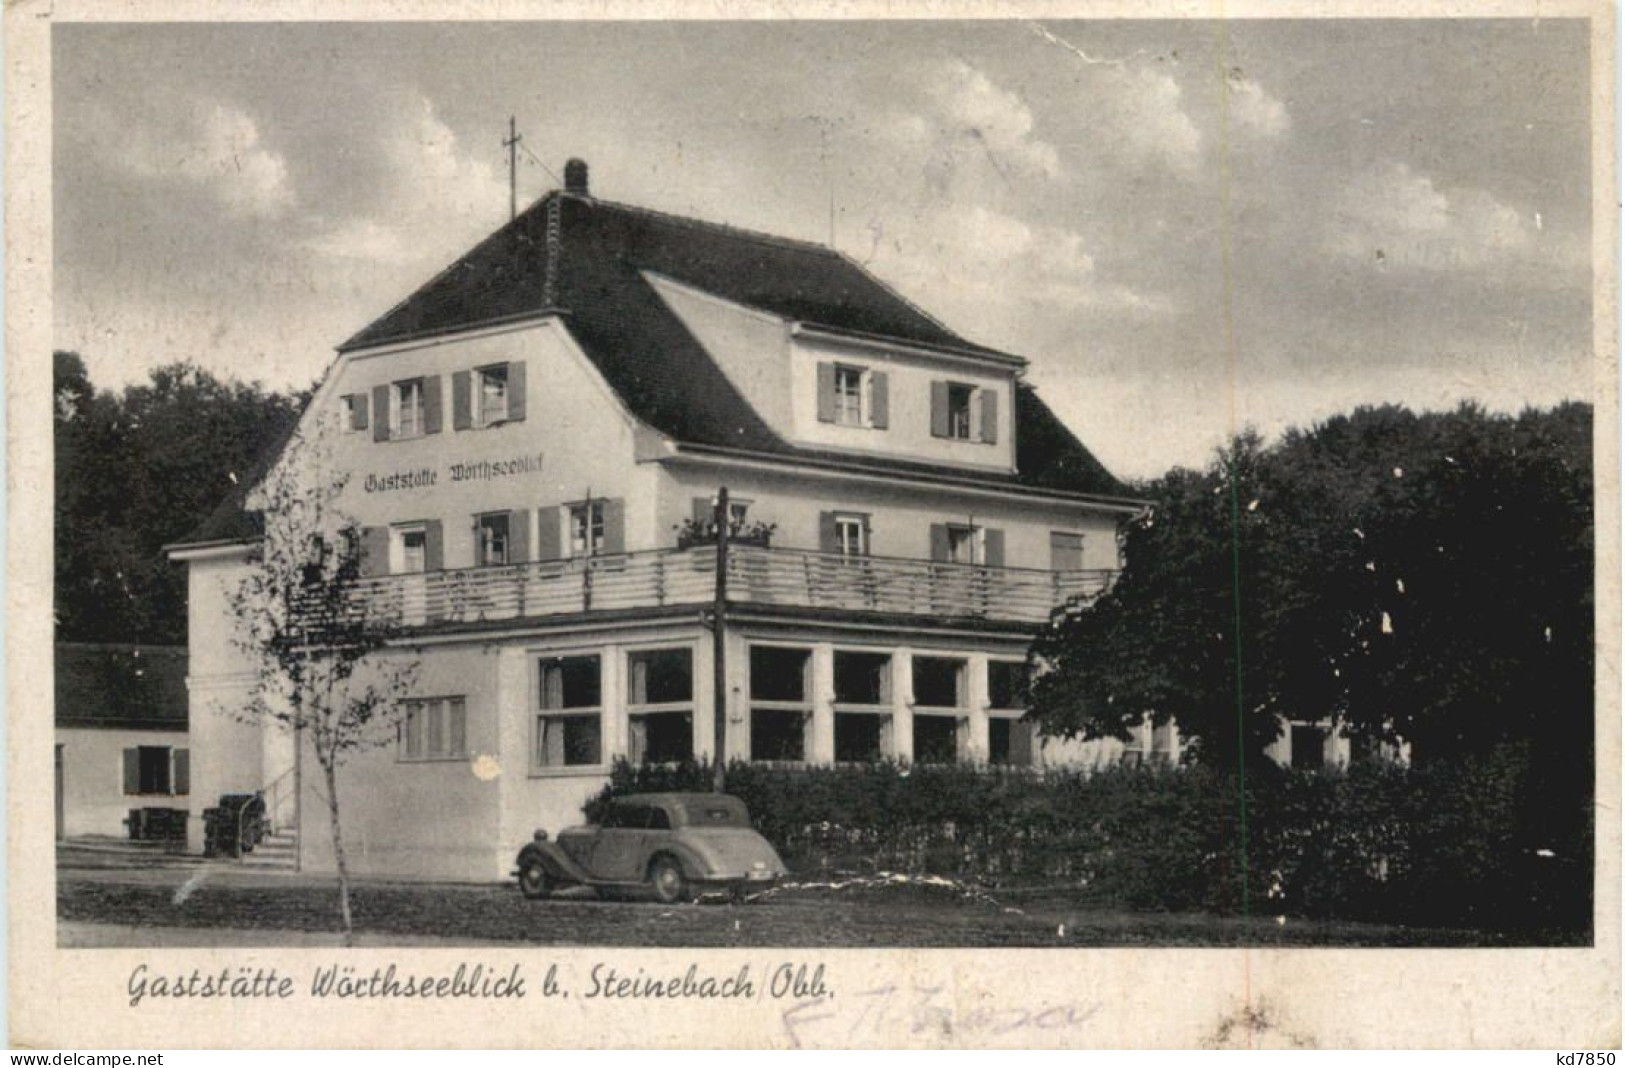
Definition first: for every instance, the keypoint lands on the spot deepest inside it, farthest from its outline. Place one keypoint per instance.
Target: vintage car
(675, 845)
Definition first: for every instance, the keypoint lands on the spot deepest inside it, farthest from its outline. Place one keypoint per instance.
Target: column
(975, 749)
(738, 696)
(821, 736)
(902, 696)
(509, 741)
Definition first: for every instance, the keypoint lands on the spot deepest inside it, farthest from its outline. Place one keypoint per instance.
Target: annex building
(534, 442)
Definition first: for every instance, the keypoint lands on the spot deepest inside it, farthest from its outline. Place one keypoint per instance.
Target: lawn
(851, 916)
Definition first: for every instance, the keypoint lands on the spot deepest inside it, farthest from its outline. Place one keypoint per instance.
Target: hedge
(1450, 845)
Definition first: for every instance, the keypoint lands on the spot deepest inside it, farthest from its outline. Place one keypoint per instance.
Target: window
(959, 410)
(862, 706)
(147, 770)
(411, 550)
(780, 706)
(1164, 744)
(964, 544)
(852, 535)
(661, 710)
(436, 728)
(491, 539)
(1309, 746)
(939, 709)
(587, 528)
(1007, 685)
(355, 412)
(569, 714)
(491, 384)
(1011, 742)
(406, 415)
(849, 391)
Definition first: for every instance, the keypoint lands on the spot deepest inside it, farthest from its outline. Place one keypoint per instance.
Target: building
(121, 738)
(534, 442)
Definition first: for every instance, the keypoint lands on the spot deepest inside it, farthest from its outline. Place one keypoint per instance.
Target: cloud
(434, 202)
(1398, 219)
(217, 148)
(1140, 114)
(1253, 109)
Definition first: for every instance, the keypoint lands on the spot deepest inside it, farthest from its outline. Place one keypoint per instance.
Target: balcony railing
(756, 576)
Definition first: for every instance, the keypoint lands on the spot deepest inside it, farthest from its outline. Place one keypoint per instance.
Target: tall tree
(138, 470)
(1417, 578)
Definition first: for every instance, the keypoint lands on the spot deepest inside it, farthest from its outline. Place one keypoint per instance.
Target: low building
(535, 442)
(121, 739)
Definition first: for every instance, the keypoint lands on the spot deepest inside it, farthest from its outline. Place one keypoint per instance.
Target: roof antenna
(511, 143)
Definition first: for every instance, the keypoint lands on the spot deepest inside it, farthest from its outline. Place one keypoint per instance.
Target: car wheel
(667, 879)
(533, 880)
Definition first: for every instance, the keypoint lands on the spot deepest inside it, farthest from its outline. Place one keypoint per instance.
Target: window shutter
(704, 511)
(375, 550)
(516, 391)
(132, 771)
(993, 547)
(358, 411)
(990, 417)
(939, 409)
(518, 536)
(1065, 551)
(462, 409)
(183, 772)
(380, 413)
(939, 541)
(431, 404)
(826, 393)
(827, 541)
(477, 532)
(547, 533)
(434, 546)
(614, 525)
(879, 400)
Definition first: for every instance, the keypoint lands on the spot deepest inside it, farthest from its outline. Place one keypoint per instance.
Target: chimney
(575, 177)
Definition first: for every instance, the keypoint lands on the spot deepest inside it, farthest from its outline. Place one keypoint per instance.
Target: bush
(1444, 845)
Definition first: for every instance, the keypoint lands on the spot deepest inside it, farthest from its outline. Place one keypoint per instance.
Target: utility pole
(719, 650)
(512, 145)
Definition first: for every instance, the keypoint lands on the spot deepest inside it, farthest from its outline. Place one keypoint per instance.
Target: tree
(141, 469)
(328, 668)
(1425, 579)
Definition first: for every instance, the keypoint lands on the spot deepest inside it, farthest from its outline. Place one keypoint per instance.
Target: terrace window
(587, 528)
(863, 705)
(852, 535)
(410, 550)
(940, 709)
(569, 717)
(435, 728)
(661, 710)
(964, 544)
(780, 702)
(492, 539)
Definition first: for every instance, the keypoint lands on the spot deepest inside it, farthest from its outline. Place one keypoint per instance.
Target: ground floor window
(660, 709)
(569, 719)
(936, 739)
(863, 697)
(1011, 741)
(780, 702)
(435, 728)
(156, 769)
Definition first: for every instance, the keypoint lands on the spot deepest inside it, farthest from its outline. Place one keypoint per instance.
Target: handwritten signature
(920, 1011)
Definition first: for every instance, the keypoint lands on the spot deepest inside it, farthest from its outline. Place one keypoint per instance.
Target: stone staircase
(277, 851)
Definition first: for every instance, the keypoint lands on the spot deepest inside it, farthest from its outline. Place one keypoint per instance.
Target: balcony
(787, 578)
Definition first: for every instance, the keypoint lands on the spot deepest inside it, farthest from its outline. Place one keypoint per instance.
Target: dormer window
(963, 412)
(493, 394)
(852, 395)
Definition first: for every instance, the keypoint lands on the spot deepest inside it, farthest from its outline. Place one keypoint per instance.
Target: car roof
(673, 798)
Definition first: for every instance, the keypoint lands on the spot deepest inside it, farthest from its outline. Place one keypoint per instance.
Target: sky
(1185, 226)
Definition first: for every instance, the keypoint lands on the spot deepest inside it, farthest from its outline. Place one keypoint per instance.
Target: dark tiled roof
(646, 353)
(128, 686)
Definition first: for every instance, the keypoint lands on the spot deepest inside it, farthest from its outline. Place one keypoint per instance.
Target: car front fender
(559, 864)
